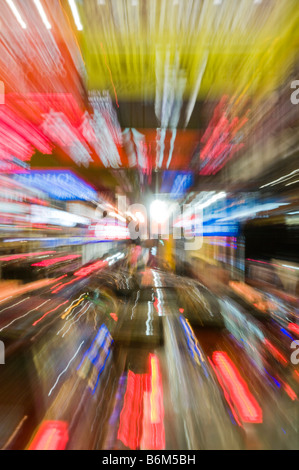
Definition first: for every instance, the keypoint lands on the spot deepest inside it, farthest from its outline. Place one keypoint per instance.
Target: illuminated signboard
(58, 184)
(177, 183)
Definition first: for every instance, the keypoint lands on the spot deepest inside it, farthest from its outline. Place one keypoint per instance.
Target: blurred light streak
(290, 267)
(68, 311)
(142, 417)
(135, 304)
(153, 432)
(195, 91)
(262, 262)
(141, 148)
(173, 136)
(58, 279)
(150, 318)
(161, 133)
(64, 285)
(6, 299)
(14, 305)
(20, 136)
(75, 13)
(158, 303)
(118, 398)
(293, 182)
(294, 328)
(83, 272)
(226, 394)
(96, 356)
(50, 262)
(247, 406)
(110, 73)
(50, 311)
(290, 391)
(16, 13)
(59, 129)
(273, 378)
(275, 352)
(52, 435)
(74, 316)
(66, 368)
(222, 138)
(286, 333)
(130, 425)
(216, 197)
(192, 342)
(15, 433)
(72, 322)
(42, 13)
(100, 367)
(157, 410)
(25, 255)
(282, 178)
(25, 315)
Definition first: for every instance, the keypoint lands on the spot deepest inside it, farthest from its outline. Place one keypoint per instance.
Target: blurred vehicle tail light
(236, 389)
(51, 435)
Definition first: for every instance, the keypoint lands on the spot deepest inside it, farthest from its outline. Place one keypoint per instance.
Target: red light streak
(219, 138)
(90, 269)
(275, 352)
(154, 432)
(237, 389)
(129, 431)
(114, 316)
(25, 255)
(58, 279)
(52, 435)
(142, 417)
(63, 285)
(50, 262)
(294, 328)
(50, 311)
(290, 391)
(56, 285)
(226, 395)
(156, 304)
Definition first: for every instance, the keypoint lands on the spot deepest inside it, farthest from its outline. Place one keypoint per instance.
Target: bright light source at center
(159, 211)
